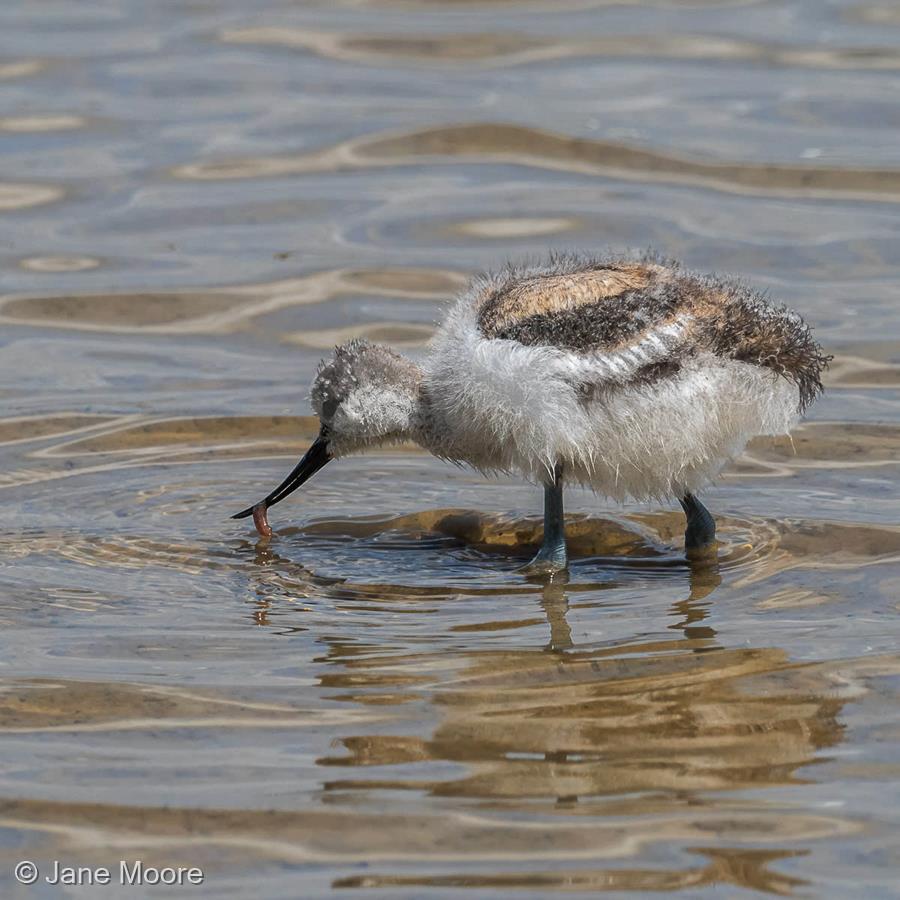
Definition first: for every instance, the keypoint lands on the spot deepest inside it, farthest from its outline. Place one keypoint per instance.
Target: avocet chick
(633, 377)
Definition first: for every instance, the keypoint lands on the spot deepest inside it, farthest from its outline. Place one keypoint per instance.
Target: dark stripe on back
(520, 297)
(602, 325)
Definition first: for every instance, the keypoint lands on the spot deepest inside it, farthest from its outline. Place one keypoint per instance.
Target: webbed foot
(550, 560)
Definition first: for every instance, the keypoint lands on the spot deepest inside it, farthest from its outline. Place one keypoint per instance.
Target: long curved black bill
(312, 461)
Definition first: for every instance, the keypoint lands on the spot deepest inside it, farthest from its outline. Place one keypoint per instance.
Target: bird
(630, 375)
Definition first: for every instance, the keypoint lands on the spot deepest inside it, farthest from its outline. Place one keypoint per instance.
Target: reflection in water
(59, 263)
(510, 228)
(24, 196)
(23, 68)
(545, 149)
(876, 14)
(398, 334)
(223, 310)
(555, 604)
(40, 123)
(831, 445)
(658, 722)
(222, 839)
(566, 723)
(574, 5)
(31, 428)
(506, 49)
(857, 372)
(374, 697)
(727, 866)
(42, 705)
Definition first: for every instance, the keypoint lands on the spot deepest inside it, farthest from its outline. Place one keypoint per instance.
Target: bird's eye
(329, 407)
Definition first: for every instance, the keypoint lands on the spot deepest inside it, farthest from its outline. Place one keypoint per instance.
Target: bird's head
(365, 396)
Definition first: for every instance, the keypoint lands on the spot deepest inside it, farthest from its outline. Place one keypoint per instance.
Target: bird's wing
(520, 304)
(654, 352)
(606, 324)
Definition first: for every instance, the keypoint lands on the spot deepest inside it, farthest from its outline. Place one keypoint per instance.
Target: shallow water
(197, 200)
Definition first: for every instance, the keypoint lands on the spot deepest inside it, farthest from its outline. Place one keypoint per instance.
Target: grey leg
(700, 535)
(551, 558)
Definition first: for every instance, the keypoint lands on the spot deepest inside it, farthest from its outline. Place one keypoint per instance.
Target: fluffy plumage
(640, 378)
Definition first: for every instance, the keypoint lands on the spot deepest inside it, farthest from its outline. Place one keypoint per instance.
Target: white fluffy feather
(500, 405)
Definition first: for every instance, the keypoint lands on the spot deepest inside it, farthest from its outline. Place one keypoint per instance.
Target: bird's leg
(700, 534)
(551, 558)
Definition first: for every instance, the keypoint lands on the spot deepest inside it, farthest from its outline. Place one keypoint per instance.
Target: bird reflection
(660, 726)
(555, 603)
(705, 577)
(277, 582)
(647, 727)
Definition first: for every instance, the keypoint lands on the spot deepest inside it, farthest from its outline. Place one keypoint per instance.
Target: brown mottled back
(552, 294)
(590, 305)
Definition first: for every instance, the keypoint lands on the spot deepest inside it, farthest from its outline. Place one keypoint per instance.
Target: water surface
(197, 201)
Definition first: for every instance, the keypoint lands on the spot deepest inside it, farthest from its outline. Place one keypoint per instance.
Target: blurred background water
(197, 199)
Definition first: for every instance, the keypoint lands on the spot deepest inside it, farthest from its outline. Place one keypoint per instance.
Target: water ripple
(508, 49)
(223, 309)
(519, 145)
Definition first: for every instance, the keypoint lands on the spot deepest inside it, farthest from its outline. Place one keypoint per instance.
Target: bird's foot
(699, 550)
(700, 540)
(550, 562)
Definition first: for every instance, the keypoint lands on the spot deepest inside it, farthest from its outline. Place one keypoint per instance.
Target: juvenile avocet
(633, 377)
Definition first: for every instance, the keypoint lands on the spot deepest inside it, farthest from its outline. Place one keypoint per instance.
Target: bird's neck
(406, 383)
(430, 429)
(426, 425)
(423, 425)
